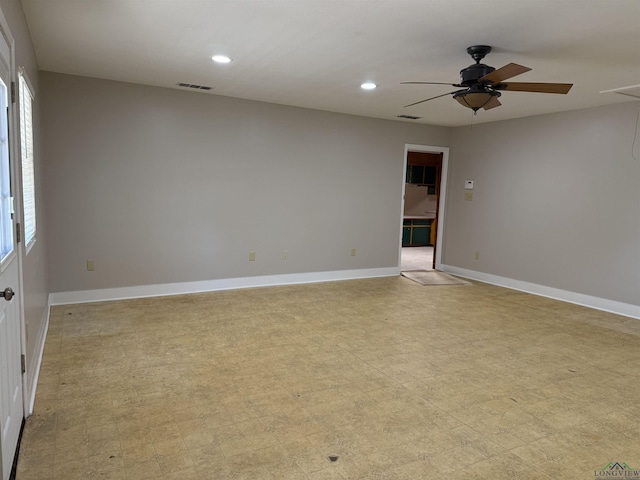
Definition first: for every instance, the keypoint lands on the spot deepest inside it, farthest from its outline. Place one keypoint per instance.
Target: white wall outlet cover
(468, 184)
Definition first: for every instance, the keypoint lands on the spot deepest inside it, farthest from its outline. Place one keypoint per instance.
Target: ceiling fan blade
(430, 83)
(426, 100)
(493, 103)
(561, 88)
(508, 71)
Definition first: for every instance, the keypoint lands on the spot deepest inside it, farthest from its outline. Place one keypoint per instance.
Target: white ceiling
(316, 53)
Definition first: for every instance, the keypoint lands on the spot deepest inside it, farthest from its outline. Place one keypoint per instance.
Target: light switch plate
(468, 184)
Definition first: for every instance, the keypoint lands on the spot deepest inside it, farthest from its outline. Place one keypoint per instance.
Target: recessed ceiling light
(221, 59)
(368, 86)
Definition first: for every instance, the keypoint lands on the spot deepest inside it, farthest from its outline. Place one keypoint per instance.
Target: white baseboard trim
(142, 291)
(620, 308)
(36, 361)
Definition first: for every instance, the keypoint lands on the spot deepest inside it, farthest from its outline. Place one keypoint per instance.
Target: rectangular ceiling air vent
(409, 117)
(193, 86)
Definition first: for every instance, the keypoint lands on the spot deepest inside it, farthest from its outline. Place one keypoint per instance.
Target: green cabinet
(416, 233)
(406, 233)
(421, 233)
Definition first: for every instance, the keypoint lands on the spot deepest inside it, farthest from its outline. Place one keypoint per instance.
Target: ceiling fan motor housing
(472, 73)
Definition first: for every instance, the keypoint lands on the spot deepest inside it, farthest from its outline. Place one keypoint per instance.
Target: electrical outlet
(353, 252)
(477, 256)
(252, 256)
(90, 266)
(285, 255)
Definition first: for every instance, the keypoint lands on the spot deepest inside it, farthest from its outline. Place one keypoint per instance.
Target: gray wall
(35, 284)
(556, 201)
(161, 186)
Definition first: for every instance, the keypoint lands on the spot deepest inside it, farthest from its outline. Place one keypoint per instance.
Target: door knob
(7, 293)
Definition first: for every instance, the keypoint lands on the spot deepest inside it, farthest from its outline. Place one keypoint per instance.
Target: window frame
(27, 158)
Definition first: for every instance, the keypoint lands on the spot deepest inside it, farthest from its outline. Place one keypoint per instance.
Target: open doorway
(423, 207)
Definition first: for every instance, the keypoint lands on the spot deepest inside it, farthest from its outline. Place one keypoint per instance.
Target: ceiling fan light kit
(475, 101)
(481, 84)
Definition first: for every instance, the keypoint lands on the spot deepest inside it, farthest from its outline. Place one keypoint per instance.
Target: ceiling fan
(481, 85)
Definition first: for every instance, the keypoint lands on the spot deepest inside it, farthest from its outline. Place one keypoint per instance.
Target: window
(26, 149)
(6, 201)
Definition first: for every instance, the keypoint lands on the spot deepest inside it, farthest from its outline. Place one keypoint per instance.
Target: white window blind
(28, 179)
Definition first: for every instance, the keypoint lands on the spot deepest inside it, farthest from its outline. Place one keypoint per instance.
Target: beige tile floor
(398, 380)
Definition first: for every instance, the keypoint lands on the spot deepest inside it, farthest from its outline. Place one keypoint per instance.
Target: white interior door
(11, 406)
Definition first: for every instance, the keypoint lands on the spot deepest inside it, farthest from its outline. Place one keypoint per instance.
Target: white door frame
(442, 195)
